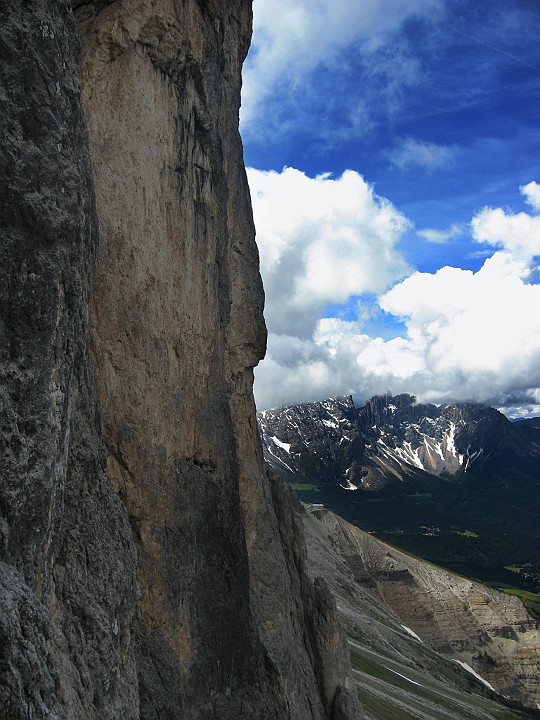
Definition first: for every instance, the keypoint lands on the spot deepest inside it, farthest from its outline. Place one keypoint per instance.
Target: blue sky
(386, 143)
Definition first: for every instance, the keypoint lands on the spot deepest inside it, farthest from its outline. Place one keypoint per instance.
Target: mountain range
(458, 484)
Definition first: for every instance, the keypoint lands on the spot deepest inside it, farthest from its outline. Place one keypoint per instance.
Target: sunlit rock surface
(149, 567)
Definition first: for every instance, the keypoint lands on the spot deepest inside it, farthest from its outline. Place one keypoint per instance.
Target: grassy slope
(390, 690)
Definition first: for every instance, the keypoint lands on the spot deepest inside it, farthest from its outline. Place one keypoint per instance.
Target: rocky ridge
(397, 606)
(334, 441)
(149, 567)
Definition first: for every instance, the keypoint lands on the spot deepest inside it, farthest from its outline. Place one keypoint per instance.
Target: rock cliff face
(149, 567)
(68, 587)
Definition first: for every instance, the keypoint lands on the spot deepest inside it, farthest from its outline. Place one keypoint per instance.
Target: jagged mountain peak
(390, 436)
(336, 401)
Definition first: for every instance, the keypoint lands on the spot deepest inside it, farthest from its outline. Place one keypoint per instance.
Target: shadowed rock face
(149, 568)
(171, 202)
(68, 587)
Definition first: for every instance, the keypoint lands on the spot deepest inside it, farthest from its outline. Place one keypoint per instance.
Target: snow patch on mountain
(284, 446)
(476, 675)
(412, 633)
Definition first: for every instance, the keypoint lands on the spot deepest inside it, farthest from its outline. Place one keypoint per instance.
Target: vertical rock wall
(174, 586)
(68, 578)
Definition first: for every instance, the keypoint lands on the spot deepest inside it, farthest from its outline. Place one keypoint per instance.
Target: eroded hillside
(399, 608)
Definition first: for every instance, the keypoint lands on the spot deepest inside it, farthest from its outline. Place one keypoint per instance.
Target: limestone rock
(149, 567)
(345, 705)
(69, 588)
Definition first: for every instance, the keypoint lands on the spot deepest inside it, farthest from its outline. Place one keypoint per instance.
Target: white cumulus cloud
(519, 234)
(475, 327)
(321, 241)
(531, 191)
(469, 335)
